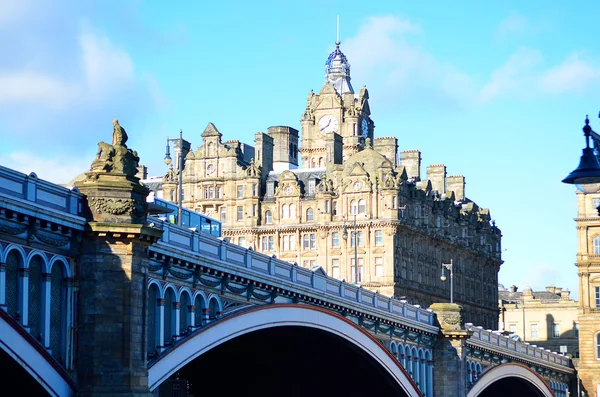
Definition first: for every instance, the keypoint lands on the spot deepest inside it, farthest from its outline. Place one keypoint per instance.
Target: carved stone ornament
(448, 315)
(114, 206)
(116, 158)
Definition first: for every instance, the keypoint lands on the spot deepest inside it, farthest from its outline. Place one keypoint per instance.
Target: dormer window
(270, 188)
(311, 187)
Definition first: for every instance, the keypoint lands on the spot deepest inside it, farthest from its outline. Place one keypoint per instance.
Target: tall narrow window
(285, 211)
(534, 331)
(394, 202)
(353, 207)
(211, 192)
(265, 243)
(240, 213)
(286, 243)
(361, 239)
(598, 346)
(334, 208)
(310, 215)
(378, 238)
(268, 217)
(361, 206)
(242, 242)
(254, 190)
(335, 240)
(556, 330)
(240, 191)
(576, 330)
(379, 267)
(597, 245)
(326, 206)
(306, 241)
(271, 243)
(292, 211)
(223, 214)
(219, 192)
(313, 241)
(311, 187)
(270, 188)
(254, 209)
(335, 268)
(292, 242)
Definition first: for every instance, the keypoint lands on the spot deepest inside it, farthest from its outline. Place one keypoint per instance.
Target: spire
(337, 68)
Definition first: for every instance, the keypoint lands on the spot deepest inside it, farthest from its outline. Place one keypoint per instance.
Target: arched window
(268, 217)
(184, 303)
(285, 211)
(153, 319)
(169, 316)
(310, 215)
(35, 297)
(361, 206)
(321, 163)
(353, 208)
(313, 163)
(292, 211)
(597, 245)
(58, 309)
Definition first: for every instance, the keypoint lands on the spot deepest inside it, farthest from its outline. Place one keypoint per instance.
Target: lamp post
(180, 172)
(588, 170)
(449, 266)
(345, 237)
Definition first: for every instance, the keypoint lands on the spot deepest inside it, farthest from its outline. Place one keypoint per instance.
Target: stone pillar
(112, 269)
(450, 369)
(3, 286)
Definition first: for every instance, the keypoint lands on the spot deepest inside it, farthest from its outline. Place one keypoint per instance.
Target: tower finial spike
(337, 32)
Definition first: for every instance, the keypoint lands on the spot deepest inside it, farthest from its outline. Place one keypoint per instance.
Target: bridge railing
(505, 343)
(32, 189)
(317, 281)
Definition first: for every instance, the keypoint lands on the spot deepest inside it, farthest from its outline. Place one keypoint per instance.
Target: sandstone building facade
(588, 269)
(294, 193)
(544, 318)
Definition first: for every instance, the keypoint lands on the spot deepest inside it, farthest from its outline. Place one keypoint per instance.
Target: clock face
(357, 185)
(328, 123)
(365, 127)
(210, 169)
(288, 190)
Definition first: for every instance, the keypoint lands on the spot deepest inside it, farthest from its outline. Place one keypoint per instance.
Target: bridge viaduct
(99, 299)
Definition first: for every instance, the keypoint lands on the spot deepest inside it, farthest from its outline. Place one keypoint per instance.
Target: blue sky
(496, 91)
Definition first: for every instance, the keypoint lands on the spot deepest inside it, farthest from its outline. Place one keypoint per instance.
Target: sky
(496, 91)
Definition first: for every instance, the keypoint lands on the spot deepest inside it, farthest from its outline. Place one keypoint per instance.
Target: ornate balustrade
(315, 284)
(502, 345)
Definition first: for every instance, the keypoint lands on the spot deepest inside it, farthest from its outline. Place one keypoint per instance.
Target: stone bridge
(99, 299)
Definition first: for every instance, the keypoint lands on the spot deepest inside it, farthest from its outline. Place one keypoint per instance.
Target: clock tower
(335, 110)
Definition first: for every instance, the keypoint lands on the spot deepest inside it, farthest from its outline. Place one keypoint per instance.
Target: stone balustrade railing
(316, 282)
(512, 347)
(40, 192)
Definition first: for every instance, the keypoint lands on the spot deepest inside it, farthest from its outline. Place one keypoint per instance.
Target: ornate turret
(337, 71)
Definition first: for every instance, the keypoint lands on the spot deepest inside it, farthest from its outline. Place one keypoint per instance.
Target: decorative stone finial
(114, 193)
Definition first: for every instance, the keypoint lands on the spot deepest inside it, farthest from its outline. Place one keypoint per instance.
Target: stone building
(588, 269)
(544, 318)
(294, 193)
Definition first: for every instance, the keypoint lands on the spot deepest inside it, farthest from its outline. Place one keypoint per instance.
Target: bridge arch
(58, 260)
(505, 372)
(20, 346)
(272, 316)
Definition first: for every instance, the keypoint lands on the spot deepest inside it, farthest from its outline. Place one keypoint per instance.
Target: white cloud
(574, 74)
(107, 68)
(524, 75)
(515, 77)
(52, 169)
(36, 87)
(384, 51)
(515, 23)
